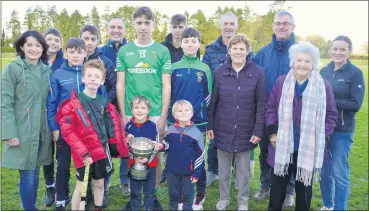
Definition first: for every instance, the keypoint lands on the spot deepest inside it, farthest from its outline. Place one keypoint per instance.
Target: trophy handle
(153, 155)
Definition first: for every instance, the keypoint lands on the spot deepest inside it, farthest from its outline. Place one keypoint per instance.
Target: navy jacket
(348, 88)
(274, 59)
(185, 148)
(216, 54)
(62, 81)
(109, 50)
(58, 62)
(237, 106)
(176, 54)
(111, 76)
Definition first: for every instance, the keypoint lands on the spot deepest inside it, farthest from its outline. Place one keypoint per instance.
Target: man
(116, 39)
(90, 35)
(275, 61)
(144, 68)
(173, 40)
(215, 55)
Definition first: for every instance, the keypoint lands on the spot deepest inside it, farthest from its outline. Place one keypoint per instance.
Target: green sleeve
(166, 62)
(209, 77)
(121, 65)
(8, 122)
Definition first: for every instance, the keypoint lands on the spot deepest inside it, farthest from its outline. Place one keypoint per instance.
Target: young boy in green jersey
(191, 81)
(144, 68)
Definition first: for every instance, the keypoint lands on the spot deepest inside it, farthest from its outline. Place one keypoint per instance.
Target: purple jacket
(237, 106)
(271, 119)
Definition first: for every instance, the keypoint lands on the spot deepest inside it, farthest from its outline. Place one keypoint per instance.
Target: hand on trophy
(158, 146)
(141, 160)
(129, 137)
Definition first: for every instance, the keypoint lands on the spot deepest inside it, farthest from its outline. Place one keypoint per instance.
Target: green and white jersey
(144, 66)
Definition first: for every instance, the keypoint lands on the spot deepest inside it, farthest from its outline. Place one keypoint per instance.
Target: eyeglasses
(284, 24)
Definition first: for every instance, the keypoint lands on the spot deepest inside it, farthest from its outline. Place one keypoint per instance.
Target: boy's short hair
(54, 32)
(90, 28)
(146, 11)
(140, 99)
(179, 103)
(94, 63)
(76, 43)
(190, 32)
(178, 19)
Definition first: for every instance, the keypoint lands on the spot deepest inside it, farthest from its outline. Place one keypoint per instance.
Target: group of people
(90, 104)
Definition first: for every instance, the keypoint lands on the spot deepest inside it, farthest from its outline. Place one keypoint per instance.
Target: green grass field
(10, 199)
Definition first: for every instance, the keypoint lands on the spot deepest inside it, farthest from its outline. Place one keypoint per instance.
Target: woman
(54, 60)
(25, 85)
(348, 87)
(236, 117)
(301, 115)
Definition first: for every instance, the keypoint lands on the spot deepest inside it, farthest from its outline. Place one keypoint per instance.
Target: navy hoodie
(58, 62)
(62, 81)
(109, 50)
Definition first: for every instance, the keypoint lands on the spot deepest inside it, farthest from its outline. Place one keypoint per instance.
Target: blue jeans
(335, 173)
(148, 187)
(212, 157)
(123, 171)
(28, 186)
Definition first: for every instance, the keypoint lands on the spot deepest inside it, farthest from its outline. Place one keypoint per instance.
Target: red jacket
(76, 129)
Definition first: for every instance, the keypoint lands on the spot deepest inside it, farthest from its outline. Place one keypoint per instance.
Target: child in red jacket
(93, 130)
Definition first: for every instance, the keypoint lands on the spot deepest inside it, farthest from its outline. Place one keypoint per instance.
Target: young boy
(185, 145)
(62, 82)
(191, 81)
(89, 125)
(144, 68)
(140, 125)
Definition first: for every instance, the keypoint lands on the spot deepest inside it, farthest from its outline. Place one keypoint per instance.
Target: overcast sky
(327, 18)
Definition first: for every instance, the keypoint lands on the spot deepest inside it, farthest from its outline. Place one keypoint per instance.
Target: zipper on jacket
(202, 115)
(82, 117)
(189, 67)
(47, 123)
(77, 80)
(28, 120)
(343, 122)
(68, 119)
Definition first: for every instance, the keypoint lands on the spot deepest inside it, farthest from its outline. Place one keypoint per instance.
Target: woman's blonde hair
(239, 38)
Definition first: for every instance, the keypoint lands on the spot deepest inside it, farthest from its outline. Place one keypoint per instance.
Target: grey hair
(228, 14)
(282, 13)
(306, 48)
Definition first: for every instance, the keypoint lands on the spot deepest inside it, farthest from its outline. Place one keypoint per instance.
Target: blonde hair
(180, 103)
(94, 63)
(239, 38)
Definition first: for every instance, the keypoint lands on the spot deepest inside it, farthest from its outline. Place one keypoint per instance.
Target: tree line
(257, 27)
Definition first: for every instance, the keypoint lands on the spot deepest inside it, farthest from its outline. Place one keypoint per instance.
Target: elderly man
(275, 61)
(215, 55)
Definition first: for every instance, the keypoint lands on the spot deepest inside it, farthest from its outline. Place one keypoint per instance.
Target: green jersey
(144, 66)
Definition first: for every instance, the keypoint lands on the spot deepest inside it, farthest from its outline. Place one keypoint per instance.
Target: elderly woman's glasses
(284, 24)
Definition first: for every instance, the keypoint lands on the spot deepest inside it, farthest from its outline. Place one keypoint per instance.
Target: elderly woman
(301, 115)
(236, 117)
(348, 87)
(24, 127)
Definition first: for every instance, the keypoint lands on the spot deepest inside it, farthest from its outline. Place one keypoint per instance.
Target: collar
(219, 42)
(344, 67)
(121, 43)
(169, 39)
(176, 124)
(66, 66)
(133, 119)
(283, 45)
(95, 54)
(190, 58)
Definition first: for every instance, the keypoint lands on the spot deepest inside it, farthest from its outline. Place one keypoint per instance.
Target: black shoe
(60, 208)
(50, 196)
(157, 205)
(126, 207)
(163, 177)
(68, 200)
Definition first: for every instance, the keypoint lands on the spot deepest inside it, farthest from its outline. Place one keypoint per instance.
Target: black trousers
(278, 190)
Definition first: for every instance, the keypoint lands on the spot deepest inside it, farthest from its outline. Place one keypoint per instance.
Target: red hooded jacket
(77, 130)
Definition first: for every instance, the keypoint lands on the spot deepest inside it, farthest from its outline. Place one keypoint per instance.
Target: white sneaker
(222, 204)
(326, 208)
(243, 207)
(198, 202)
(180, 206)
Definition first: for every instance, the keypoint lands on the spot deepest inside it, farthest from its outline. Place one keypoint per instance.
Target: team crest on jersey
(154, 54)
(142, 53)
(199, 76)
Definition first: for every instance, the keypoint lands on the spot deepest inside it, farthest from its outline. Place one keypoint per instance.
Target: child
(90, 125)
(185, 145)
(62, 81)
(140, 125)
(191, 81)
